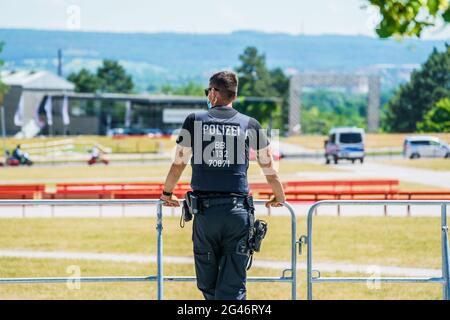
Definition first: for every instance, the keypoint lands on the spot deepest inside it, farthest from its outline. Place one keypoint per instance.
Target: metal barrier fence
(159, 278)
(444, 279)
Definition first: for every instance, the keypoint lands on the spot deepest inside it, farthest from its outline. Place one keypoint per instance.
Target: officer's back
(217, 142)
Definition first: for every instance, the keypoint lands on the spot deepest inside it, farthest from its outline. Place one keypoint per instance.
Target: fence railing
(159, 278)
(444, 279)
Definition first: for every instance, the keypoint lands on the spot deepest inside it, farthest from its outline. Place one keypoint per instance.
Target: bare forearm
(265, 161)
(277, 187)
(173, 176)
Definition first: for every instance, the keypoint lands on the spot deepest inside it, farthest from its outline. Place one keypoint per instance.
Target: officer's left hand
(171, 201)
(273, 202)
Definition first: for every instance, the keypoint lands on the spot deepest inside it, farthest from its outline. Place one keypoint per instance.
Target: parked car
(118, 132)
(415, 147)
(128, 132)
(153, 132)
(345, 143)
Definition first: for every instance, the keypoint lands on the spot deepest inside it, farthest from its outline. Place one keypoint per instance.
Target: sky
(310, 17)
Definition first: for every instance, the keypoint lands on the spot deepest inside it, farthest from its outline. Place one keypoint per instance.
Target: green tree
(314, 121)
(192, 88)
(85, 81)
(414, 99)
(437, 119)
(110, 77)
(409, 17)
(113, 78)
(256, 80)
(324, 109)
(279, 82)
(254, 76)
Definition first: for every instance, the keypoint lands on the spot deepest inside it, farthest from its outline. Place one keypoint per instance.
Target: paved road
(373, 169)
(292, 151)
(370, 169)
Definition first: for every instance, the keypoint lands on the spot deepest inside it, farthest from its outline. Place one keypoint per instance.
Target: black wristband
(167, 194)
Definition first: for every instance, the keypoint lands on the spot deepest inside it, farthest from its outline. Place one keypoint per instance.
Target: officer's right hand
(171, 201)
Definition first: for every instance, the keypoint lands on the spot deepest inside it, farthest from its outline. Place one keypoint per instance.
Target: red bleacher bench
(22, 191)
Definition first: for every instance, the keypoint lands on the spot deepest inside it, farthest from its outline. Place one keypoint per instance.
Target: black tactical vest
(220, 153)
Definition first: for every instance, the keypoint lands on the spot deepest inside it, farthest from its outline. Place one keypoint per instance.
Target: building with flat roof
(96, 114)
(44, 103)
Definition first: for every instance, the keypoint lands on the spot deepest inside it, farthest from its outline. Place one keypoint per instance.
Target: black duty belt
(211, 202)
(209, 194)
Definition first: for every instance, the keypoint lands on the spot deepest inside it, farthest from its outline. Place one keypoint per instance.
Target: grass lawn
(135, 172)
(412, 186)
(259, 291)
(83, 143)
(439, 164)
(84, 173)
(408, 242)
(393, 241)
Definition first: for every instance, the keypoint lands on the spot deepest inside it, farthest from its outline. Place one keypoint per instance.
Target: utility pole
(2, 120)
(60, 62)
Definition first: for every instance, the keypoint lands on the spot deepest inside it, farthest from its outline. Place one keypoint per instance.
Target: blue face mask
(209, 103)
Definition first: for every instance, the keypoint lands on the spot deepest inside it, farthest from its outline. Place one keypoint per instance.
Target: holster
(190, 207)
(260, 231)
(257, 228)
(256, 232)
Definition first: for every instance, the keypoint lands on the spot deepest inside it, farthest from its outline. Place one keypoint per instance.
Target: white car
(425, 147)
(345, 143)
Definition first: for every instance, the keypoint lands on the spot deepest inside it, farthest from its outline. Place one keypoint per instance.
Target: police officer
(217, 143)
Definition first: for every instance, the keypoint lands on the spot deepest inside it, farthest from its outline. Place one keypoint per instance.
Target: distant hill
(157, 58)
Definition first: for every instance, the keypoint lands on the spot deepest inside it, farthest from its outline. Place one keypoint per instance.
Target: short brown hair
(226, 82)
